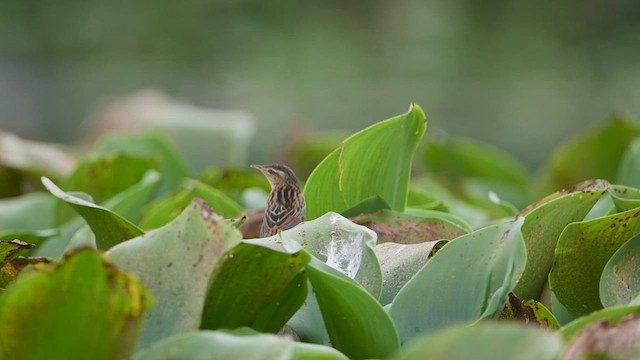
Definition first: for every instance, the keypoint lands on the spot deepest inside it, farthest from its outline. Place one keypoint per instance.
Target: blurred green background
(519, 74)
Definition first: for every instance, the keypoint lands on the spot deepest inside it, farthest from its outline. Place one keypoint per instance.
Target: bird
(286, 207)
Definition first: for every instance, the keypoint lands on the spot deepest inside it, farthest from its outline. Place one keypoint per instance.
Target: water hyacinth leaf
(370, 205)
(476, 169)
(17, 214)
(246, 281)
(541, 230)
(103, 178)
(176, 262)
(594, 153)
(606, 340)
(10, 249)
(109, 227)
(400, 262)
(284, 306)
(620, 281)
(35, 158)
(342, 244)
(373, 162)
(629, 168)
(165, 209)
(583, 250)
(611, 315)
(529, 312)
(9, 271)
(357, 324)
(403, 228)
(54, 306)
(128, 204)
(467, 280)
(148, 144)
(485, 341)
(624, 197)
(223, 345)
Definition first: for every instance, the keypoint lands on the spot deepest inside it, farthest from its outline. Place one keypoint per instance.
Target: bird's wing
(281, 217)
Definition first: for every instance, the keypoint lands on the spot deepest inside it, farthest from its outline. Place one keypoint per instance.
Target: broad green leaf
(624, 197)
(403, 228)
(109, 227)
(305, 150)
(357, 324)
(10, 249)
(147, 145)
(249, 279)
(592, 154)
(9, 271)
(83, 305)
(529, 312)
(342, 244)
(457, 159)
(176, 263)
(165, 209)
(34, 158)
(620, 280)
(234, 182)
(583, 250)
(284, 306)
(611, 315)
(370, 205)
(485, 341)
(467, 280)
(607, 340)
(541, 230)
(629, 168)
(439, 215)
(103, 178)
(374, 161)
(128, 204)
(419, 199)
(400, 262)
(222, 345)
(31, 211)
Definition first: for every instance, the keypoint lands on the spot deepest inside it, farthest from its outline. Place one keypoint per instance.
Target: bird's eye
(271, 172)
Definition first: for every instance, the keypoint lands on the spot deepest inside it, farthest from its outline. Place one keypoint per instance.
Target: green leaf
(176, 263)
(19, 213)
(222, 345)
(403, 228)
(541, 230)
(624, 197)
(629, 168)
(84, 305)
(370, 205)
(10, 249)
(485, 341)
(611, 315)
(400, 262)
(374, 161)
(620, 281)
(129, 204)
(168, 207)
(583, 250)
(529, 312)
(33, 158)
(103, 178)
(457, 159)
(247, 281)
(110, 228)
(469, 279)
(592, 154)
(151, 145)
(356, 323)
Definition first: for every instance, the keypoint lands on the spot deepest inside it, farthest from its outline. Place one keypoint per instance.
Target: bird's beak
(259, 167)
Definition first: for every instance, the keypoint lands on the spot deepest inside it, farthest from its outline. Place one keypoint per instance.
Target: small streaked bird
(285, 207)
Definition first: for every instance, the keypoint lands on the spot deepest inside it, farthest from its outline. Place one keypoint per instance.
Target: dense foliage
(414, 247)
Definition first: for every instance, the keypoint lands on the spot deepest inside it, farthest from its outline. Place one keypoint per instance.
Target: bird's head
(278, 174)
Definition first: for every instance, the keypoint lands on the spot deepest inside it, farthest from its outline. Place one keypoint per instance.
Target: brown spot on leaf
(606, 340)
